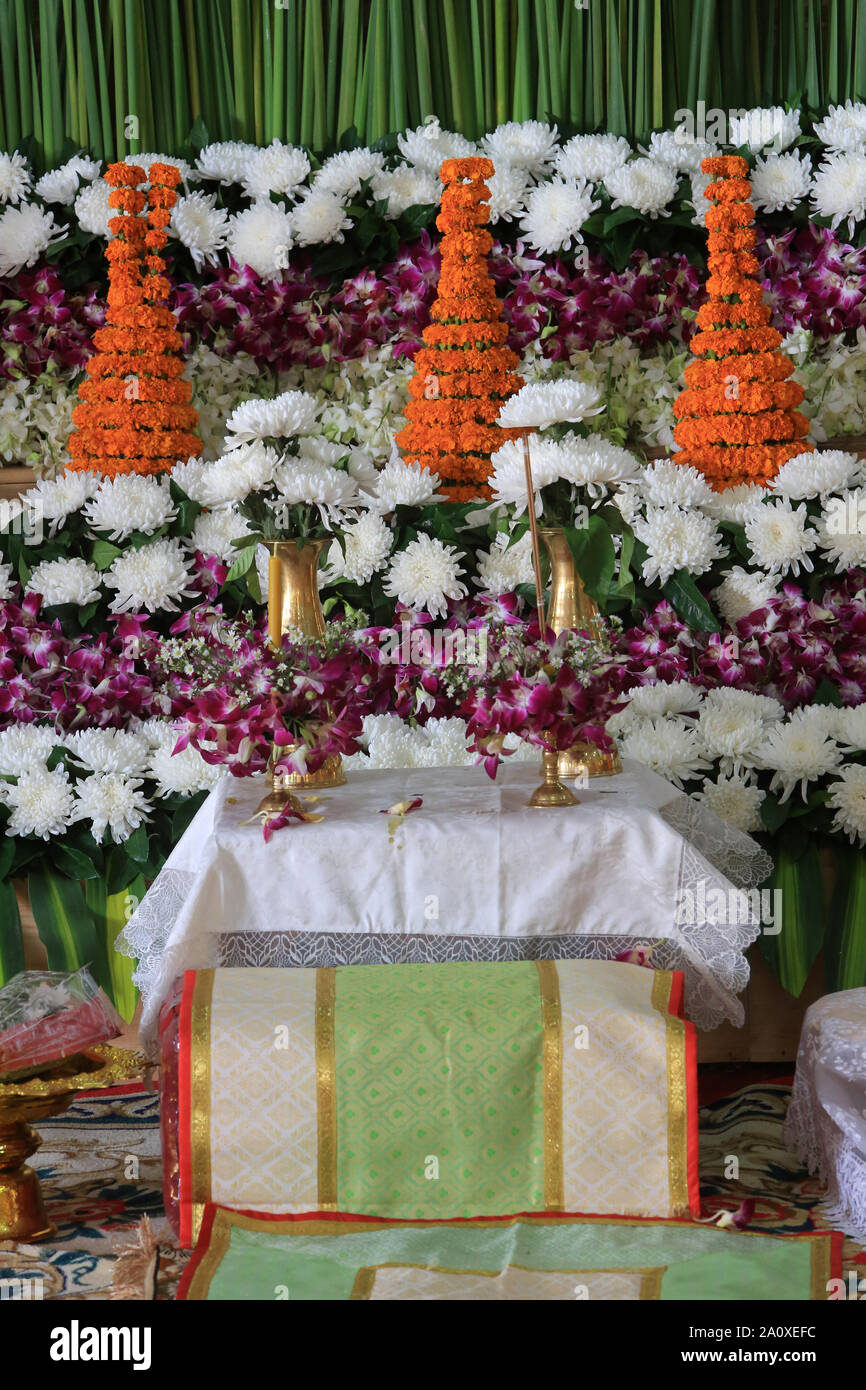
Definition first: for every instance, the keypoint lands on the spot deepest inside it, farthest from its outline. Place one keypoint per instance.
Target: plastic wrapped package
(46, 1015)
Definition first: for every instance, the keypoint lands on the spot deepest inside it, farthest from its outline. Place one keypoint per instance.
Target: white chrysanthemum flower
(664, 483)
(24, 746)
(324, 451)
(26, 233)
(731, 735)
(679, 150)
(644, 184)
(591, 462)
(277, 168)
(112, 802)
(781, 181)
(14, 177)
(61, 185)
(798, 751)
(842, 529)
(226, 161)
(746, 703)
(442, 743)
(815, 475)
(344, 173)
(733, 800)
(368, 543)
(849, 727)
(677, 538)
(542, 403)
(765, 125)
(742, 592)
(130, 502)
(504, 566)
(201, 226)
(508, 190)
(286, 416)
(780, 537)
(65, 581)
(664, 697)
(405, 187)
(261, 237)
(7, 582)
(109, 750)
(248, 468)
(151, 579)
(591, 157)
(306, 480)
(214, 533)
(843, 127)
(42, 803)
(402, 484)
(183, 773)
(698, 200)
(735, 503)
(847, 798)
(425, 575)
(319, 217)
(529, 145)
(360, 466)
(428, 145)
(59, 497)
(839, 189)
(93, 210)
(508, 479)
(555, 212)
(669, 746)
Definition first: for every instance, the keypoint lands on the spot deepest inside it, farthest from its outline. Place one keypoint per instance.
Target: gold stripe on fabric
(551, 1056)
(678, 1133)
(820, 1268)
(363, 1286)
(220, 1239)
(200, 1095)
(651, 1283)
(326, 1088)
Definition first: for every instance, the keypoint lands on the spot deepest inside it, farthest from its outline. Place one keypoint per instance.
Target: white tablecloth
(474, 873)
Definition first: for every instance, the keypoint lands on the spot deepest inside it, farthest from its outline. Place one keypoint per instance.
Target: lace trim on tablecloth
(821, 1132)
(734, 853)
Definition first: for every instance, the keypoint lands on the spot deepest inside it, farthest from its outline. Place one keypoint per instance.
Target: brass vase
(571, 608)
(294, 606)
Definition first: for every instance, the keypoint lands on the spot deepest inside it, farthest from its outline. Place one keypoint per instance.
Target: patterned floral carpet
(100, 1169)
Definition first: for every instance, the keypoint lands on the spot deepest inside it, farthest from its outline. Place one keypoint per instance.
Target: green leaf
(63, 920)
(11, 941)
(245, 559)
(791, 952)
(682, 593)
(111, 912)
(773, 814)
(74, 863)
(104, 554)
(827, 694)
(845, 946)
(136, 845)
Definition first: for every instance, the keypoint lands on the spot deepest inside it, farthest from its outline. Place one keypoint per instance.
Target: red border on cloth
(184, 1109)
(347, 1218)
(675, 1007)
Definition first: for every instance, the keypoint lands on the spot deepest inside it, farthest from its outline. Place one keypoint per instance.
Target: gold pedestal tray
(49, 1092)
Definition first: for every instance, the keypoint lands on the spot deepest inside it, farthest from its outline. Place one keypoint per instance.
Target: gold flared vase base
(584, 760)
(551, 792)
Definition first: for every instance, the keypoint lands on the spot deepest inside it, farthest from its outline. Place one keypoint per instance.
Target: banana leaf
(63, 920)
(796, 875)
(845, 948)
(111, 912)
(11, 940)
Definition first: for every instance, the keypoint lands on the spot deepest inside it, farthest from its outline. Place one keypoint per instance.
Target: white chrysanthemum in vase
(798, 752)
(277, 168)
(847, 799)
(343, 173)
(231, 478)
(93, 210)
(183, 773)
(781, 181)
(742, 592)
(677, 538)
(261, 237)
(26, 233)
(839, 189)
(842, 529)
(816, 475)
(645, 184)
(504, 566)
(320, 217)
(764, 125)
(60, 185)
(736, 503)
(425, 575)
(367, 542)
(214, 533)
(732, 736)
(428, 145)
(286, 416)
(591, 157)
(406, 187)
(404, 485)
(540, 404)
(843, 127)
(659, 698)
(14, 177)
(529, 145)
(669, 746)
(109, 750)
(24, 746)
(60, 497)
(745, 702)
(225, 161)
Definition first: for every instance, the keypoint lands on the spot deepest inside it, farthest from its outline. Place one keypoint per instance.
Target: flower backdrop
(738, 622)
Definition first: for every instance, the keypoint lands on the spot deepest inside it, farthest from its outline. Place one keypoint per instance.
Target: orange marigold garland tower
(135, 415)
(465, 371)
(737, 421)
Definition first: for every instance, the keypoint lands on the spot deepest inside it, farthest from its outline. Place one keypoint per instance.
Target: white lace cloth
(826, 1121)
(474, 873)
